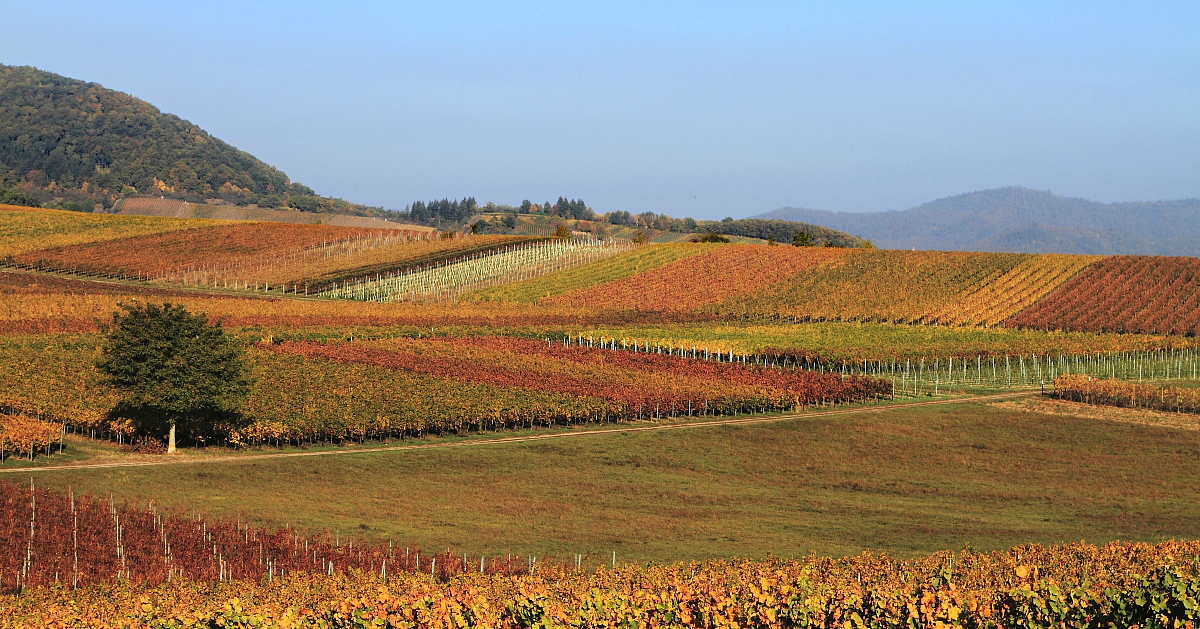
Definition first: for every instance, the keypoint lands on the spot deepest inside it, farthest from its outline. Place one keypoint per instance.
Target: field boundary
(736, 421)
(132, 282)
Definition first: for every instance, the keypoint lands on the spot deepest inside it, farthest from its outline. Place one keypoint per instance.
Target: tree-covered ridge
(75, 145)
(80, 135)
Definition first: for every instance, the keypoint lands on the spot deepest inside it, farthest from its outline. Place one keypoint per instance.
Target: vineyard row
(448, 279)
(69, 560)
(922, 376)
(1111, 392)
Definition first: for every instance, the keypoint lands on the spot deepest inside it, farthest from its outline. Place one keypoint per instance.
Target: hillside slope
(77, 145)
(1021, 220)
(71, 132)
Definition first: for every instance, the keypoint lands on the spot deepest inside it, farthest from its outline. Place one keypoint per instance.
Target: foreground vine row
(1113, 392)
(1116, 585)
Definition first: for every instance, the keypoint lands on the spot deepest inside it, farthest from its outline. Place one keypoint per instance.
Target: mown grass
(905, 481)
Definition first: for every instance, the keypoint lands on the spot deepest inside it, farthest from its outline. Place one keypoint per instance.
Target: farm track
(536, 437)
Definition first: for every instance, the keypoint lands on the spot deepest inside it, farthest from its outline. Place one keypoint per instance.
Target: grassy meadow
(904, 481)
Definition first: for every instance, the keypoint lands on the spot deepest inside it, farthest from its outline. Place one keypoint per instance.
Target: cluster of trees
(8, 197)
(451, 212)
(650, 220)
(448, 212)
(801, 234)
(440, 213)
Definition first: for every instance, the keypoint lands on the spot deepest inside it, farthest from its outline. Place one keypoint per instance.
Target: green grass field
(905, 481)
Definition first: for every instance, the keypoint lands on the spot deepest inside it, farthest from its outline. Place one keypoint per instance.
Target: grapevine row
(449, 279)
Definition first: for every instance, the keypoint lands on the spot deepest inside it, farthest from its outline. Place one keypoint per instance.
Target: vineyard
(24, 229)
(445, 281)
(719, 274)
(1121, 294)
(307, 392)
(21, 435)
(831, 343)
(1126, 294)
(603, 384)
(582, 277)
(38, 303)
(940, 372)
(1023, 285)
(334, 391)
(1113, 392)
(216, 245)
(47, 537)
(86, 561)
(261, 256)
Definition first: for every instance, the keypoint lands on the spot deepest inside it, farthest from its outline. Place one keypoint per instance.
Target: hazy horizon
(703, 110)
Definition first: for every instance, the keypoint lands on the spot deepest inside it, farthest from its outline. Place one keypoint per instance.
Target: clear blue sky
(705, 109)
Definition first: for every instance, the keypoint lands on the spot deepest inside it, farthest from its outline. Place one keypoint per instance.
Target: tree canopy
(175, 367)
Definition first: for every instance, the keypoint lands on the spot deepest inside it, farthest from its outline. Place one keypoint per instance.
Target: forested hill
(75, 144)
(1023, 220)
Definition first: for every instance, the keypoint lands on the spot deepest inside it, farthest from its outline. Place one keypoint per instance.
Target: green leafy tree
(802, 239)
(8, 197)
(712, 237)
(179, 372)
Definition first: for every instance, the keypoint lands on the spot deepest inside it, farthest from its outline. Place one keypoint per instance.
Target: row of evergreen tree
(450, 211)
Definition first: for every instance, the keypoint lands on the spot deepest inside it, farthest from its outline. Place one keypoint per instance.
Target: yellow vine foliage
(1029, 586)
(25, 229)
(582, 278)
(1033, 278)
(23, 433)
(1113, 392)
(892, 286)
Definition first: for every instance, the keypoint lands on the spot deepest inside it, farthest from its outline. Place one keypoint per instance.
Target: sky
(703, 109)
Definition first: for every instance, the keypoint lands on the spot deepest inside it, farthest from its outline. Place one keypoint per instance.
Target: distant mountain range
(1018, 219)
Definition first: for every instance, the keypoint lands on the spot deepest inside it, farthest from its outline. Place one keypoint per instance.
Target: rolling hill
(80, 146)
(1021, 220)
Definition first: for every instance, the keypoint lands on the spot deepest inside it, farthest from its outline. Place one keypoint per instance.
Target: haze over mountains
(1018, 219)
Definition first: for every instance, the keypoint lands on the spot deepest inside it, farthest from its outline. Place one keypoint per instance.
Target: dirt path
(524, 438)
